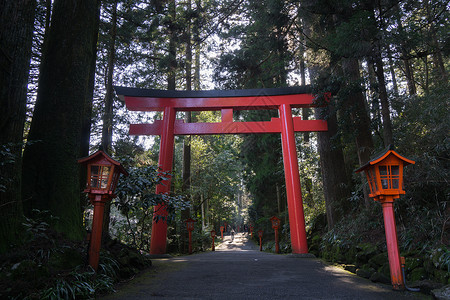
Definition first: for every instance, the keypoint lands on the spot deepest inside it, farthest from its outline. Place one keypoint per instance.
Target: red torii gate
(282, 99)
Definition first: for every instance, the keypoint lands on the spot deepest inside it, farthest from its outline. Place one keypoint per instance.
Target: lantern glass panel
(114, 181)
(389, 176)
(395, 174)
(99, 176)
(384, 176)
(105, 176)
(372, 180)
(94, 176)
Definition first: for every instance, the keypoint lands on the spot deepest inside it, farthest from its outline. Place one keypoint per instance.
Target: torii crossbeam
(282, 99)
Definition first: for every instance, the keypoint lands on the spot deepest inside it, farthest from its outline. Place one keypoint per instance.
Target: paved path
(238, 270)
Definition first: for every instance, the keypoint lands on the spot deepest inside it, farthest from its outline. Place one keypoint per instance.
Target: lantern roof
(98, 156)
(382, 155)
(190, 220)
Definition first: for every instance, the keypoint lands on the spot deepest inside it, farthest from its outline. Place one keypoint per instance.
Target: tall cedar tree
(50, 169)
(16, 30)
(329, 146)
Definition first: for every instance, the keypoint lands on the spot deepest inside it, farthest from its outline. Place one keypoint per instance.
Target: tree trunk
(436, 50)
(171, 75)
(359, 116)
(50, 169)
(107, 129)
(86, 126)
(202, 204)
(334, 177)
(109, 96)
(392, 71)
(186, 169)
(384, 101)
(16, 31)
(409, 74)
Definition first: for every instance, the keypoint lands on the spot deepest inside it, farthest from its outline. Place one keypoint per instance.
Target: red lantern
(275, 225)
(260, 234)
(102, 174)
(385, 177)
(275, 222)
(385, 174)
(190, 226)
(102, 177)
(221, 231)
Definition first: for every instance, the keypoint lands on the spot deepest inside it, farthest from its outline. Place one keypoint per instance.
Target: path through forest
(238, 270)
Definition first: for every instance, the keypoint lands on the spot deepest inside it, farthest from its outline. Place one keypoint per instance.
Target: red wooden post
(260, 234)
(385, 177)
(190, 226)
(392, 244)
(277, 244)
(293, 190)
(159, 226)
(221, 231)
(275, 225)
(96, 234)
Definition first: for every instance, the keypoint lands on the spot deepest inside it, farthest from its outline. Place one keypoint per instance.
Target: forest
(385, 64)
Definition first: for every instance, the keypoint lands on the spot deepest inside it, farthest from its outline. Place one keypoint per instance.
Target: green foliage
(82, 284)
(6, 158)
(135, 201)
(37, 227)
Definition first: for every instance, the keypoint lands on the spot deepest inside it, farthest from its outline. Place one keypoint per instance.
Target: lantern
(275, 225)
(275, 222)
(385, 176)
(190, 226)
(260, 234)
(221, 231)
(102, 176)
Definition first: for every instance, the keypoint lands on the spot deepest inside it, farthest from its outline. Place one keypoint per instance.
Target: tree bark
(334, 178)
(186, 169)
(107, 129)
(356, 103)
(409, 74)
(384, 101)
(16, 31)
(109, 96)
(50, 169)
(171, 74)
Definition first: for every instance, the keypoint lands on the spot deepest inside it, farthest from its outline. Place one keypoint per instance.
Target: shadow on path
(238, 270)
